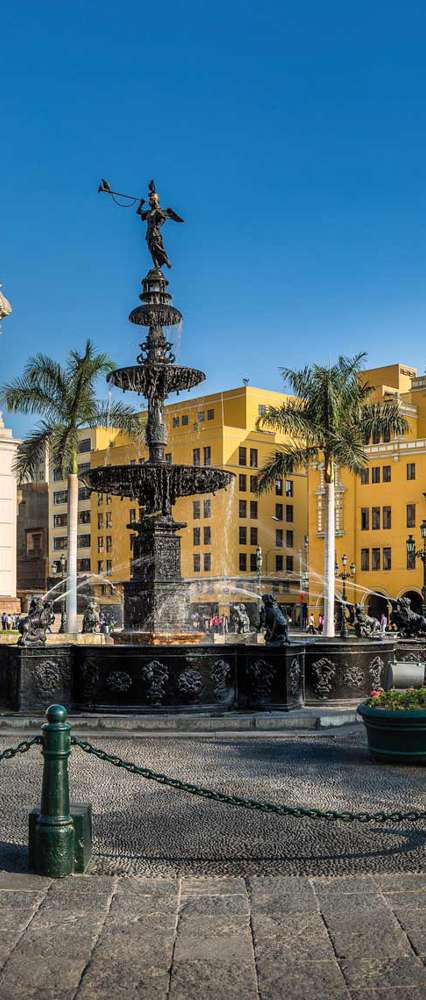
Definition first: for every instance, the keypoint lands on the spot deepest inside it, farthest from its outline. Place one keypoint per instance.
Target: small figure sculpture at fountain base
(35, 626)
(275, 622)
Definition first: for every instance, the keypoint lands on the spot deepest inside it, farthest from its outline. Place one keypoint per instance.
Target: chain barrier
(235, 800)
(20, 748)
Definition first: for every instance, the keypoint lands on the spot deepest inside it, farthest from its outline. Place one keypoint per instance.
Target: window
(196, 456)
(196, 509)
(253, 509)
(365, 559)
(289, 487)
(253, 484)
(196, 536)
(175, 421)
(386, 436)
(207, 508)
(83, 467)
(201, 416)
(253, 458)
(100, 522)
(242, 535)
(207, 456)
(207, 534)
(411, 560)
(242, 456)
(60, 497)
(365, 518)
(253, 563)
(261, 409)
(375, 559)
(108, 519)
(100, 543)
(289, 512)
(108, 541)
(411, 515)
(132, 539)
(168, 457)
(196, 562)
(289, 539)
(289, 563)
(132, 515)
(60, 520)
(185, 420)
(387, 558)
(279, 511)
(108, 567)
(100, 498)
(84, 493)
(242, 508)
(376, 437)
(375, 474)
(279, 538)
(387, 517)
(84, 445)
(253, 536)
(60, 542)
(210, 414)
(207, 561)
(387, 474)
(242, 482)
(375, 518)
(84, 517)
(411, 470)
(243, 562)
(57, 475)
(278, 487)
(83, 565)
(83, 541)
(279, 564)
(365, 477)
(100, 565)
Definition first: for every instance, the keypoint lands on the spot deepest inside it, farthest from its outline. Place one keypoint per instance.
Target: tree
(65, 399)
(329, 422)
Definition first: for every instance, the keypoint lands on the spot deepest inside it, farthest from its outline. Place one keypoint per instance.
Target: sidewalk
(262, 938)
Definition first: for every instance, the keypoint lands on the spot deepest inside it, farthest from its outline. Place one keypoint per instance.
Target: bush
(397, 700)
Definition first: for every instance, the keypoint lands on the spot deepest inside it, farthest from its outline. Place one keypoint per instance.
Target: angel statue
(155, 217)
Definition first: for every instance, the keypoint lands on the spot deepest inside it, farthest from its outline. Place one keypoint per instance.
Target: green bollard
(52, 835)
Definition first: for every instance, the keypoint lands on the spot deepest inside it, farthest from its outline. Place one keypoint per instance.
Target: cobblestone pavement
(142, 828)
(201, 938)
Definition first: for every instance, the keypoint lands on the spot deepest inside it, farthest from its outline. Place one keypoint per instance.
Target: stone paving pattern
(261, 938)
(142, 828)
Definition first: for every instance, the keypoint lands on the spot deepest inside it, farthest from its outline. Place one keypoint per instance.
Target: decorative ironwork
(294, 677)
(119, 680)
(33, 629)
(50, 676)
(375, 671)
(261, 674)
(221, 674)
(323, 674)
(190, 684)
(155, 675)
(353, 676)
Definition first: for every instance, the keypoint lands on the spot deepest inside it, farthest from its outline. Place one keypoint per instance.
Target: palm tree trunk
(71, 587)
(329, 559)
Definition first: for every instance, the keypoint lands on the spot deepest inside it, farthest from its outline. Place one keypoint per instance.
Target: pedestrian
(320, 622)
(311, 625)
(383, 623)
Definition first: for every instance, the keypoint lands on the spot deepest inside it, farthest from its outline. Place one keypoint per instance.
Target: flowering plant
(396, 700)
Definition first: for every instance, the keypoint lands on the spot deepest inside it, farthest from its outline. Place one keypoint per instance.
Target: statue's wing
(172, 215)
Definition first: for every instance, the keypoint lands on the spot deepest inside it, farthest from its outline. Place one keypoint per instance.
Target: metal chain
(20, 748)
(236, 800)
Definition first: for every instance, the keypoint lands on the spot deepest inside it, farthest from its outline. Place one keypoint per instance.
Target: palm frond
(120, 416)
(383, 419)
(30, 455)
(292, 417)
(283, 463)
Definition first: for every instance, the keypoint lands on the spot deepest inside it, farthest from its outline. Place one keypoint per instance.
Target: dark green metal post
(52, 847)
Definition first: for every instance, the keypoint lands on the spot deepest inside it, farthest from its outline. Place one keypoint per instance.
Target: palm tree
(65, 399)
(329, 422)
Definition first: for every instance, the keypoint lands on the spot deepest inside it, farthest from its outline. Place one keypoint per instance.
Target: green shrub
(397, 700)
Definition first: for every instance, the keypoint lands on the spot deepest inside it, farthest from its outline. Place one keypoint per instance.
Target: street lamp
(343, 576)
(62, 562)
(414, 554)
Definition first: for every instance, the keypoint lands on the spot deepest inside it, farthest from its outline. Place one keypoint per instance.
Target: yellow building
(222, 531)
(376, 512)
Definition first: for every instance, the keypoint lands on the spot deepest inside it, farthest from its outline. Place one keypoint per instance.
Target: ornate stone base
(134, 638)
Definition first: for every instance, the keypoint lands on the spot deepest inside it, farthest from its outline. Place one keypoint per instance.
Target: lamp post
(343, 576)
(62, 564)
(414, 554)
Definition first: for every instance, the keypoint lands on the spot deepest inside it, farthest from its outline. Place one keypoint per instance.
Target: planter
(398, 736)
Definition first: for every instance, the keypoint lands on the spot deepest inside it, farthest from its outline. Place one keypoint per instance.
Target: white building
(8, 508)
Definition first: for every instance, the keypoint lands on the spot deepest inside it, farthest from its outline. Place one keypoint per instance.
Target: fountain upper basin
(156, 485)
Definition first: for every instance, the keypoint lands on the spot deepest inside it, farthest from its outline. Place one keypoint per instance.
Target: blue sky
(290, 136)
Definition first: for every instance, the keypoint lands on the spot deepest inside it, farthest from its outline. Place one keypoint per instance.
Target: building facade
(377, 511)
(223, 531)
(8, 498)
(32, 540)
